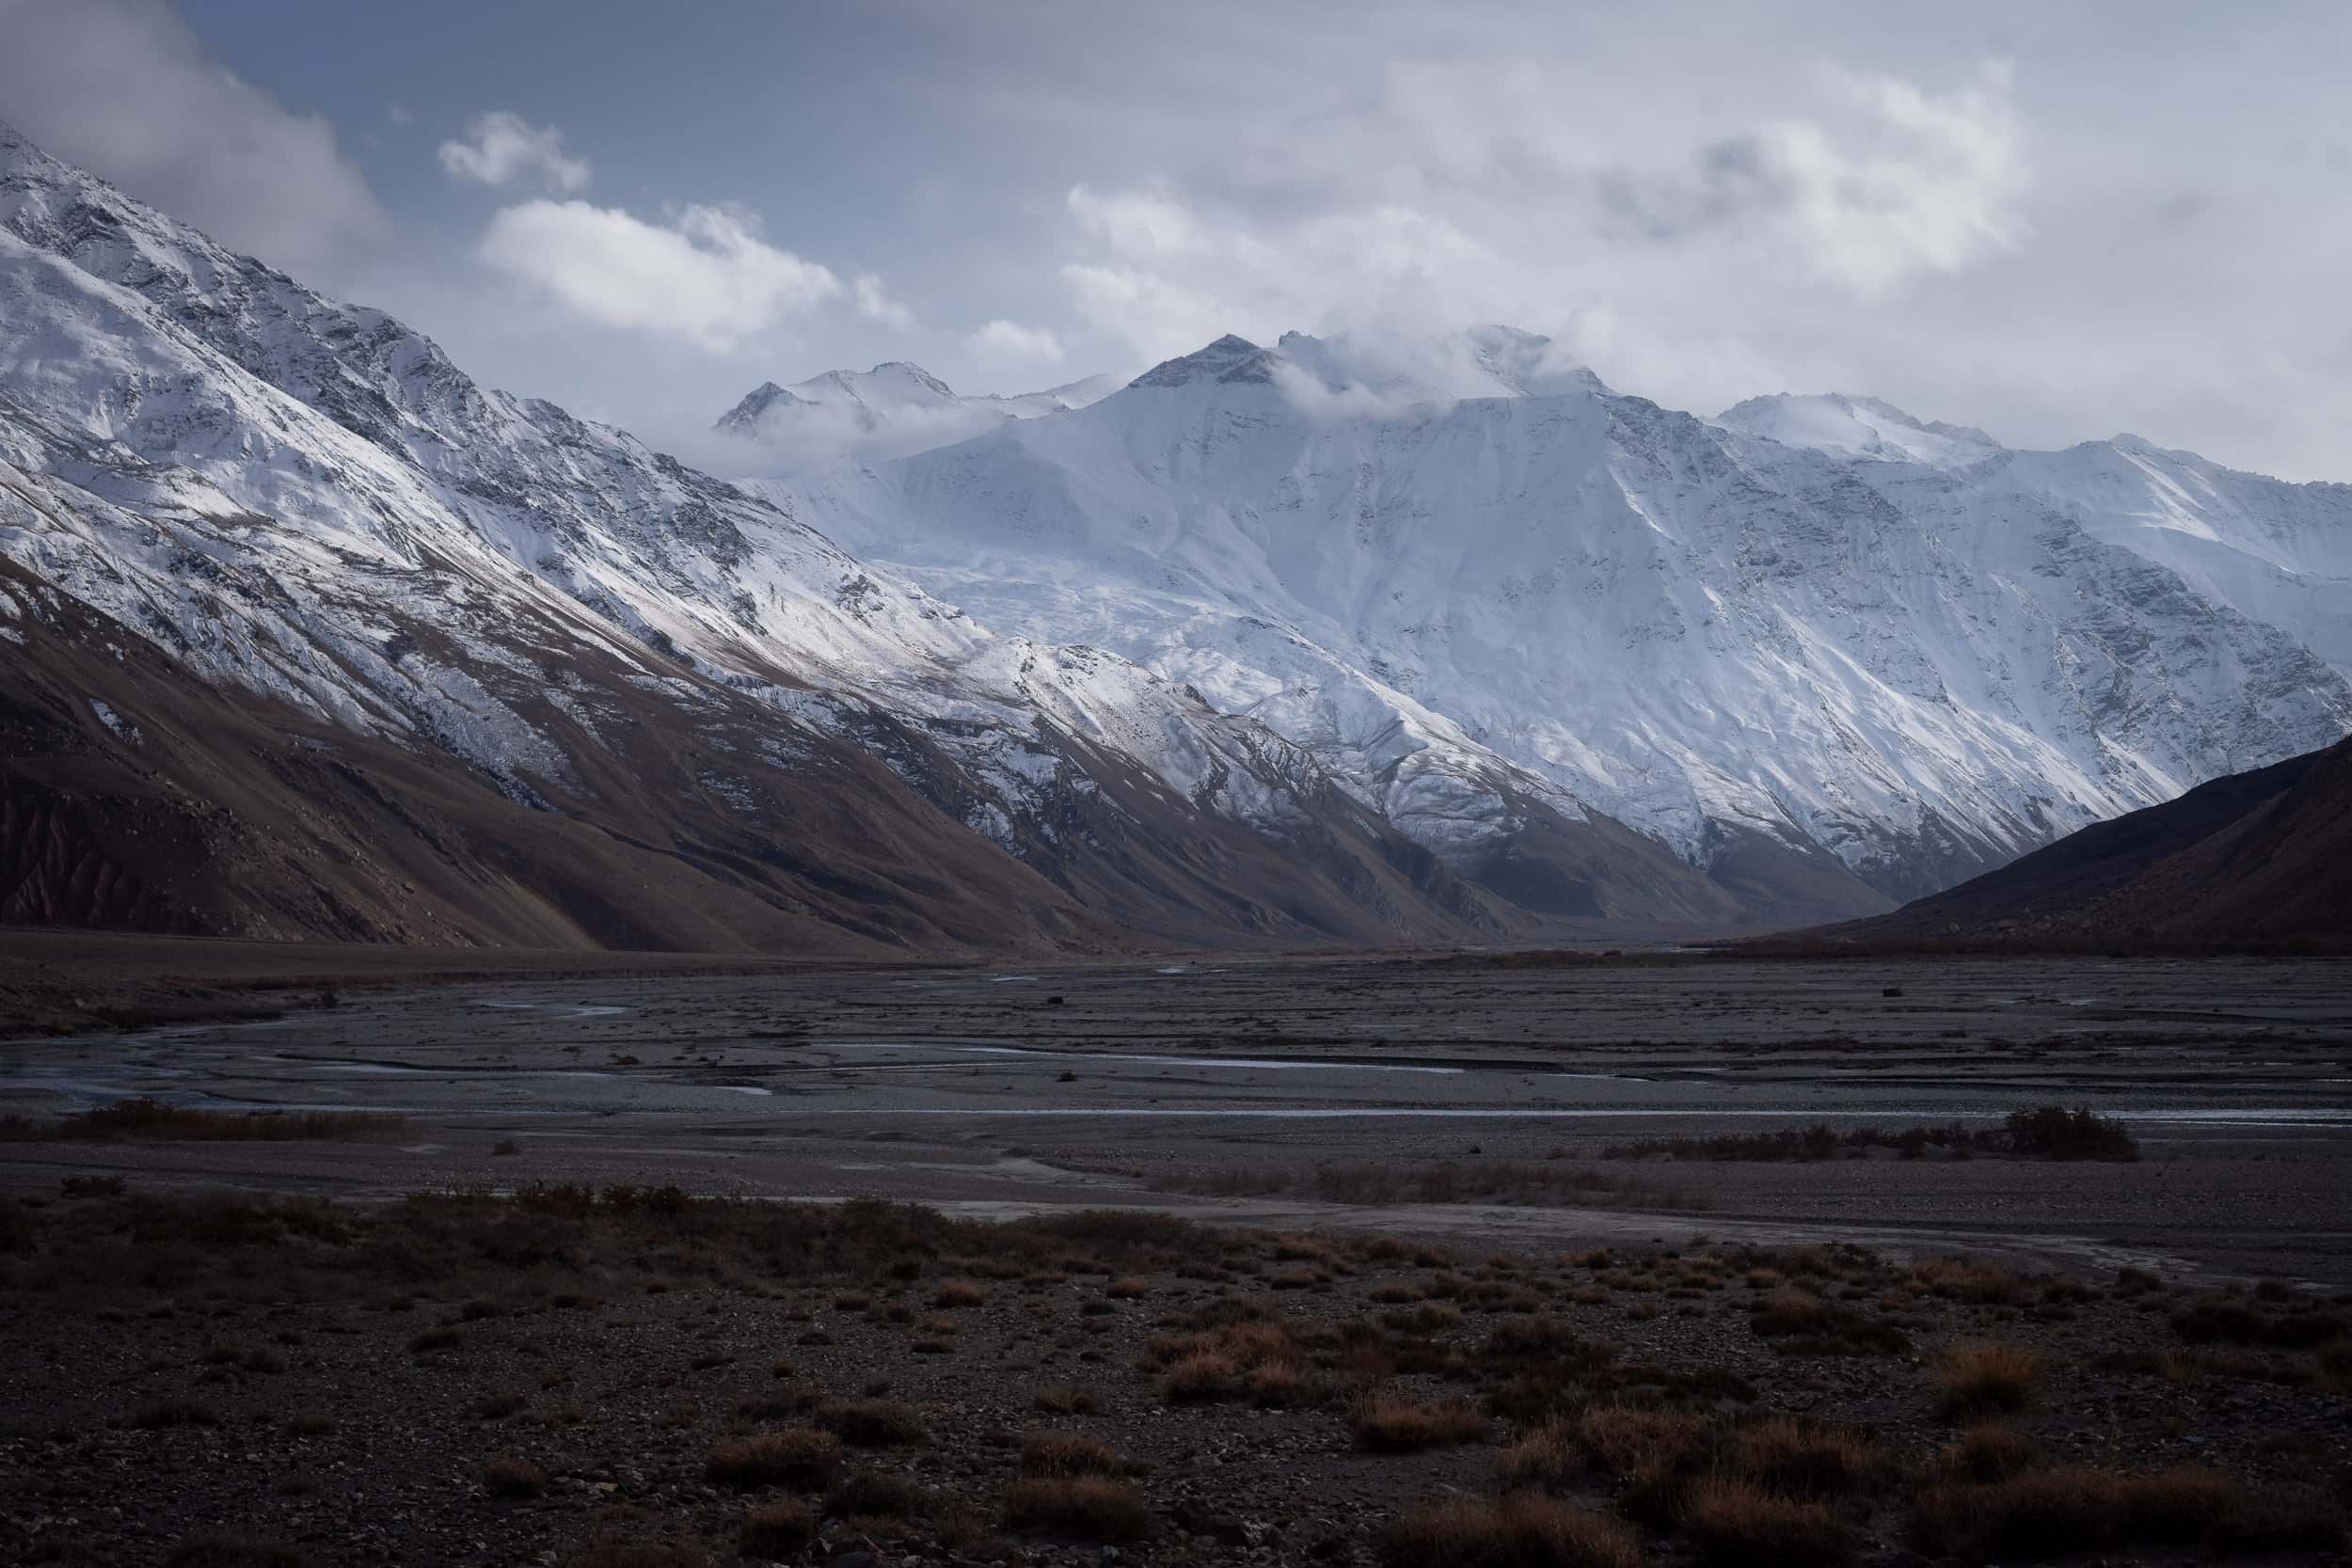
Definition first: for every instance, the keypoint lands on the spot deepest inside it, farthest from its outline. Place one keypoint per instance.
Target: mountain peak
(1848, 426)
(1230, 360)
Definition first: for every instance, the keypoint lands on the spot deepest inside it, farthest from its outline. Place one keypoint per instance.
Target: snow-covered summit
(1858, 427)
(894, 409)
(1453, 570)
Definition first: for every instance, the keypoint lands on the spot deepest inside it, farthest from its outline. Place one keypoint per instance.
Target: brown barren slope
(2262, 857)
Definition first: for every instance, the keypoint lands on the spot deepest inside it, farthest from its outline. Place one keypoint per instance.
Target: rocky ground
(646, 1379)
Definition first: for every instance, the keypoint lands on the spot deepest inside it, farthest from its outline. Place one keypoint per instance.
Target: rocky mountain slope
(894, 409)
(303, 632)
(2264, 856)
(1813, 635)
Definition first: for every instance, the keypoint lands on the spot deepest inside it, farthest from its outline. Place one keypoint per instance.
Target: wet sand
(1005, 1089)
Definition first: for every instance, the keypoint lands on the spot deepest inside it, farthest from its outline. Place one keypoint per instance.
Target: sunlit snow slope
(1811, 625)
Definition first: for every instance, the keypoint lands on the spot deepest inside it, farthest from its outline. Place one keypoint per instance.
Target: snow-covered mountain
(1463, 575)
(894, 409)
(305, 633)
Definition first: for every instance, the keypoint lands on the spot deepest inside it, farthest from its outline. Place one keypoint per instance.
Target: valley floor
(336, 1364)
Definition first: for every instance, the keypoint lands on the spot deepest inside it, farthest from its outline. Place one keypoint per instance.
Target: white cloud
(875, 305)
(502, 148)
(1004, 339)
(1473, 192)
(706, 278)
(125, 89)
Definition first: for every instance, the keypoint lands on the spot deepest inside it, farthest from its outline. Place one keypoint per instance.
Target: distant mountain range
(304, 633)
(1813, 637)
(892, 407)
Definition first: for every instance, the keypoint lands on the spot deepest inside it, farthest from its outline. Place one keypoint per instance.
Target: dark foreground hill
(2263, 857)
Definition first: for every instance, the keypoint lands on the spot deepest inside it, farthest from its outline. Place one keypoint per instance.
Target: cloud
(1466, 192)
(707, 276)
(1930, 183)
(874, 304)
(1004, 339)
(503, 148)
(124, 88)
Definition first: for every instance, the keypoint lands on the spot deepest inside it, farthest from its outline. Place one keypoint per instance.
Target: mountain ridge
(1919, 667)
(472, 670)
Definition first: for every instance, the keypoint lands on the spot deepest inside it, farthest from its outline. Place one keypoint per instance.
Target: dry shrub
(512, 1476)
(1800, 1458)
(1800, 1323)
(879, 1495)
(1127, 1289)
(1980, 1377)
(1978, 1283)
(2074, 1509)
(1522, 1530)
(796, 1456)
(1988, 1451)
(1389, 1423)
(1067, 1399)
(1220, 1364)
(1738, 1524)
(957, 1293)
(1545, 1456)
(775, 1531)
(873, 1424)
(1069, 1454)
(1277, 1386)
(1092, 1508)
(1634, 1443)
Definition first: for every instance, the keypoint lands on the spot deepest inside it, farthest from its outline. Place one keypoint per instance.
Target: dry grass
(775, 1531)
(1634, 1443)
(1797, 1322)
(1794, 1457)
(143, 1117)
(873, 1424)
(1737, 1524)
(1522, 1530)
(511, 1476)
(1069, 1454)
(1387, 1423)
(1091, 1508)
(879, 1495)
(1545, 1456)
(959, 1294)
(1986, 1377)
(1067, 1400)
(1538, 1182)
(797, 1456)
(2074, 1509)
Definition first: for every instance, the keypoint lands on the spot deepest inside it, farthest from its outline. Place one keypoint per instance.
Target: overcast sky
(2055, 220)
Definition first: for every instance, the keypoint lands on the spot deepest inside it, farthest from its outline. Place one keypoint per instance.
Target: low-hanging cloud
(1461, 194)
(504, 149)
(707, 276)
(124, 88)
(1003, 339)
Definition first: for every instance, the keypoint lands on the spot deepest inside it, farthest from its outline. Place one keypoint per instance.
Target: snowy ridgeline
(1438, 564)
(1461, 583)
